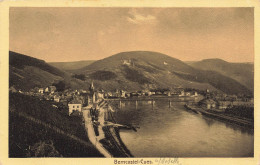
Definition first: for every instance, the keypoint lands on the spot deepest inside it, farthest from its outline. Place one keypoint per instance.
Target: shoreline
(222, 117)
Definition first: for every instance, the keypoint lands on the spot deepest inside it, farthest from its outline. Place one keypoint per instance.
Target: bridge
(173, 99)
(152, 100)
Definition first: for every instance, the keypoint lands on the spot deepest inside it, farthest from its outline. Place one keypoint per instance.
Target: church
(85, 99)
(91, 97)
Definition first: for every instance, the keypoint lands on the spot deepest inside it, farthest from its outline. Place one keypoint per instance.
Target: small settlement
(75, 100)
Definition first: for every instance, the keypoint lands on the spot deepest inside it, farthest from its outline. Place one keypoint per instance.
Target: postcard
(129, 82)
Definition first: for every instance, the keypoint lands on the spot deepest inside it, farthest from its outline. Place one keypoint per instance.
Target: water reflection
(173, 131)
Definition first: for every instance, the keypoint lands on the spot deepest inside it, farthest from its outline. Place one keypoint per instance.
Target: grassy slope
(67, 66)
(156, 70)
(23, 133)
(26, 73)
(241, 72)
(20, 61)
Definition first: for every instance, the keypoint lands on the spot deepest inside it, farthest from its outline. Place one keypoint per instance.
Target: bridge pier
(120, 104)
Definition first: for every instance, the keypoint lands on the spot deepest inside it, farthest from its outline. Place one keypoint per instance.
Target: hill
(139, 70)
(131, 71)
(67, 66)
(241, 72)
(26, 72)
(33, 139)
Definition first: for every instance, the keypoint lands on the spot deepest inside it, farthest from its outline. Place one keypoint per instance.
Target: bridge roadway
(173, 99)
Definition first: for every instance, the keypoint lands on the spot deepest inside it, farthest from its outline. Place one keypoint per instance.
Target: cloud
(138, 18)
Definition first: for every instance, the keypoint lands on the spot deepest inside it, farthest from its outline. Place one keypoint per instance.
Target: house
(149, 93)
(50, 89)
(127, 62)
(231, 98)
(128, 95)
(208, 104)
(187, 94)
(158, 93)
(109, 94)
(222, 105)
(194, 94)
(168, 93)
(182, 93)
(211, 104)
(75, 105)
(122, 93)
(41, 90)
(100, 95)
(46, 89)
(56, 98)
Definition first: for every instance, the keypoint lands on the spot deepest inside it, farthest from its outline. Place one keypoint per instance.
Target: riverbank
(113, 142)
(242, 122)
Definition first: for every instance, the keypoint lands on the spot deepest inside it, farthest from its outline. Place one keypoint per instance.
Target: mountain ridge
(241, 72)
(148, 69)
(131, 71)
(26, 72)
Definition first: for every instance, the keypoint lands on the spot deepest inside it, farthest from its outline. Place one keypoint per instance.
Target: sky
(92, 33)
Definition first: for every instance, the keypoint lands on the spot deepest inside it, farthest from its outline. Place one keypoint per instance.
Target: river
(176, 132)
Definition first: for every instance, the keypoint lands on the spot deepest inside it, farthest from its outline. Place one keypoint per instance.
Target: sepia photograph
(131, 82)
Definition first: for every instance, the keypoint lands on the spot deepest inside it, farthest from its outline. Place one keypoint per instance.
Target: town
(75, 100)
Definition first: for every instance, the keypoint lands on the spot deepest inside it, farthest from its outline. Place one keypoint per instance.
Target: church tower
(91, 88)
(92, 93)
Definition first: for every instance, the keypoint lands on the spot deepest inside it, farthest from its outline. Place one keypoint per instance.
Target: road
(91, 134)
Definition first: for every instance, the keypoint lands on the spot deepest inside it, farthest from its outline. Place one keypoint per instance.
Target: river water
(177, 132)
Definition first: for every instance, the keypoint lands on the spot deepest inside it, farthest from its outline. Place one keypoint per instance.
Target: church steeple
(91, 87)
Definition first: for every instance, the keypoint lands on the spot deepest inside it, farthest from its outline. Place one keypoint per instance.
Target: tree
(43, 149)
(60, 86)
(79, 76)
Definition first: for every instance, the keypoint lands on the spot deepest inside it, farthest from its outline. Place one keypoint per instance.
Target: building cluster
(128, 62)
(220, 101)
(76, 100)
(174, 92)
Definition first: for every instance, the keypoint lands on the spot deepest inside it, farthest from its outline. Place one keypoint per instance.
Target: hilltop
(241, 72)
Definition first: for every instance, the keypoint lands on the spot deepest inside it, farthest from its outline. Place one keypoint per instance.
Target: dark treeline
(80, 76)
(103, 75)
